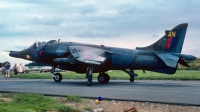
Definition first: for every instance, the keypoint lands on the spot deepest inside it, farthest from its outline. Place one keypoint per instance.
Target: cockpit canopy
(38, 43)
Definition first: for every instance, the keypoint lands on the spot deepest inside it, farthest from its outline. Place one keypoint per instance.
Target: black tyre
(132, 79)
(107, 78)
(101, 78)
(88, 83)
(58, 77)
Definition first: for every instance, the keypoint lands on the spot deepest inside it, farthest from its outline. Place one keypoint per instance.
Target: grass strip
(74, 98)
(120, 75)
(12, 102)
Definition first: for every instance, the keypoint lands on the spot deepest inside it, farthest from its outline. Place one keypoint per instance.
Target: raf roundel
(41, 53)
(87, 56)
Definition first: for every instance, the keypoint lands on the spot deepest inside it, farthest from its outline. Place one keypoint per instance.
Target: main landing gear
(103, 78)
(89, 75)
(57, 77)
(131, 74)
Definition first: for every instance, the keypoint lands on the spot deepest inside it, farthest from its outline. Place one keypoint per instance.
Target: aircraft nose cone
(15, 54)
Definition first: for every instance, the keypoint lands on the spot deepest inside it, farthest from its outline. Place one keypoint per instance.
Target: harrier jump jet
(162, 56)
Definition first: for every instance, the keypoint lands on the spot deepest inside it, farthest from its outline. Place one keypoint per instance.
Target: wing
(88, 55)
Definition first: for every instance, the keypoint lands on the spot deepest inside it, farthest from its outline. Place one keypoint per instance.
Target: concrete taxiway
(173, 92)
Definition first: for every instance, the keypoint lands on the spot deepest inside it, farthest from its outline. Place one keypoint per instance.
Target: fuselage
(117, 58)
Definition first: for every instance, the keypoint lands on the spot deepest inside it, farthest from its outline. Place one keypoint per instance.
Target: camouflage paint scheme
(163, 56)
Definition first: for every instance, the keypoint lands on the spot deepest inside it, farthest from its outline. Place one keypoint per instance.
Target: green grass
(31, 103)
(179, 75)
(67, 109)
(8, 95)
(87, 109)
(1, 100)
(120, 75)
(74, 98)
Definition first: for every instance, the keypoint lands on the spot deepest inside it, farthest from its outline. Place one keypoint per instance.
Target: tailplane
(171, 42)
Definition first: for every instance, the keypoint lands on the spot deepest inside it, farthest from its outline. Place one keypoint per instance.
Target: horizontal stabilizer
(182, 62)
(169, 60)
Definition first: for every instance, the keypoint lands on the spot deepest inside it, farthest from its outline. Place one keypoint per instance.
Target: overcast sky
(117, 23)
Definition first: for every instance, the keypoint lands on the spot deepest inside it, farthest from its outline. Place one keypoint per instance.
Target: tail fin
(172, 41)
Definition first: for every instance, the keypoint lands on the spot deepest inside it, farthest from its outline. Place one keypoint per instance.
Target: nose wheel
(57, 77)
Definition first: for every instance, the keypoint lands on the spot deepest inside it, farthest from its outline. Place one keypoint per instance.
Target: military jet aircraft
(162, 56)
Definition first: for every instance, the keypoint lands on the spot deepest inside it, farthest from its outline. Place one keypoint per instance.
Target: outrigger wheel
(58, 77)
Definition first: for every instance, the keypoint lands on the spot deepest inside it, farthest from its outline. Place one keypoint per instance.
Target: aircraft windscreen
(38, 43)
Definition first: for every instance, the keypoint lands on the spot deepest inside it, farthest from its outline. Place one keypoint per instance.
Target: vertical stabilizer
(172, 41)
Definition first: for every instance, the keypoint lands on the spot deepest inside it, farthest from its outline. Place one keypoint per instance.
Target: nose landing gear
(57, 77)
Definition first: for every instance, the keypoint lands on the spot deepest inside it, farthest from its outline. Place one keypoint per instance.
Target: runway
(173, 92)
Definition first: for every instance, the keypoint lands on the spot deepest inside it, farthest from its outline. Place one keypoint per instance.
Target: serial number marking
(149, 61)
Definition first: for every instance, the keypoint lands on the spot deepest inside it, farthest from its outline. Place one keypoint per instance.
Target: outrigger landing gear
(103, 78)
(89, 75)
(57, 77)
(131, 74)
